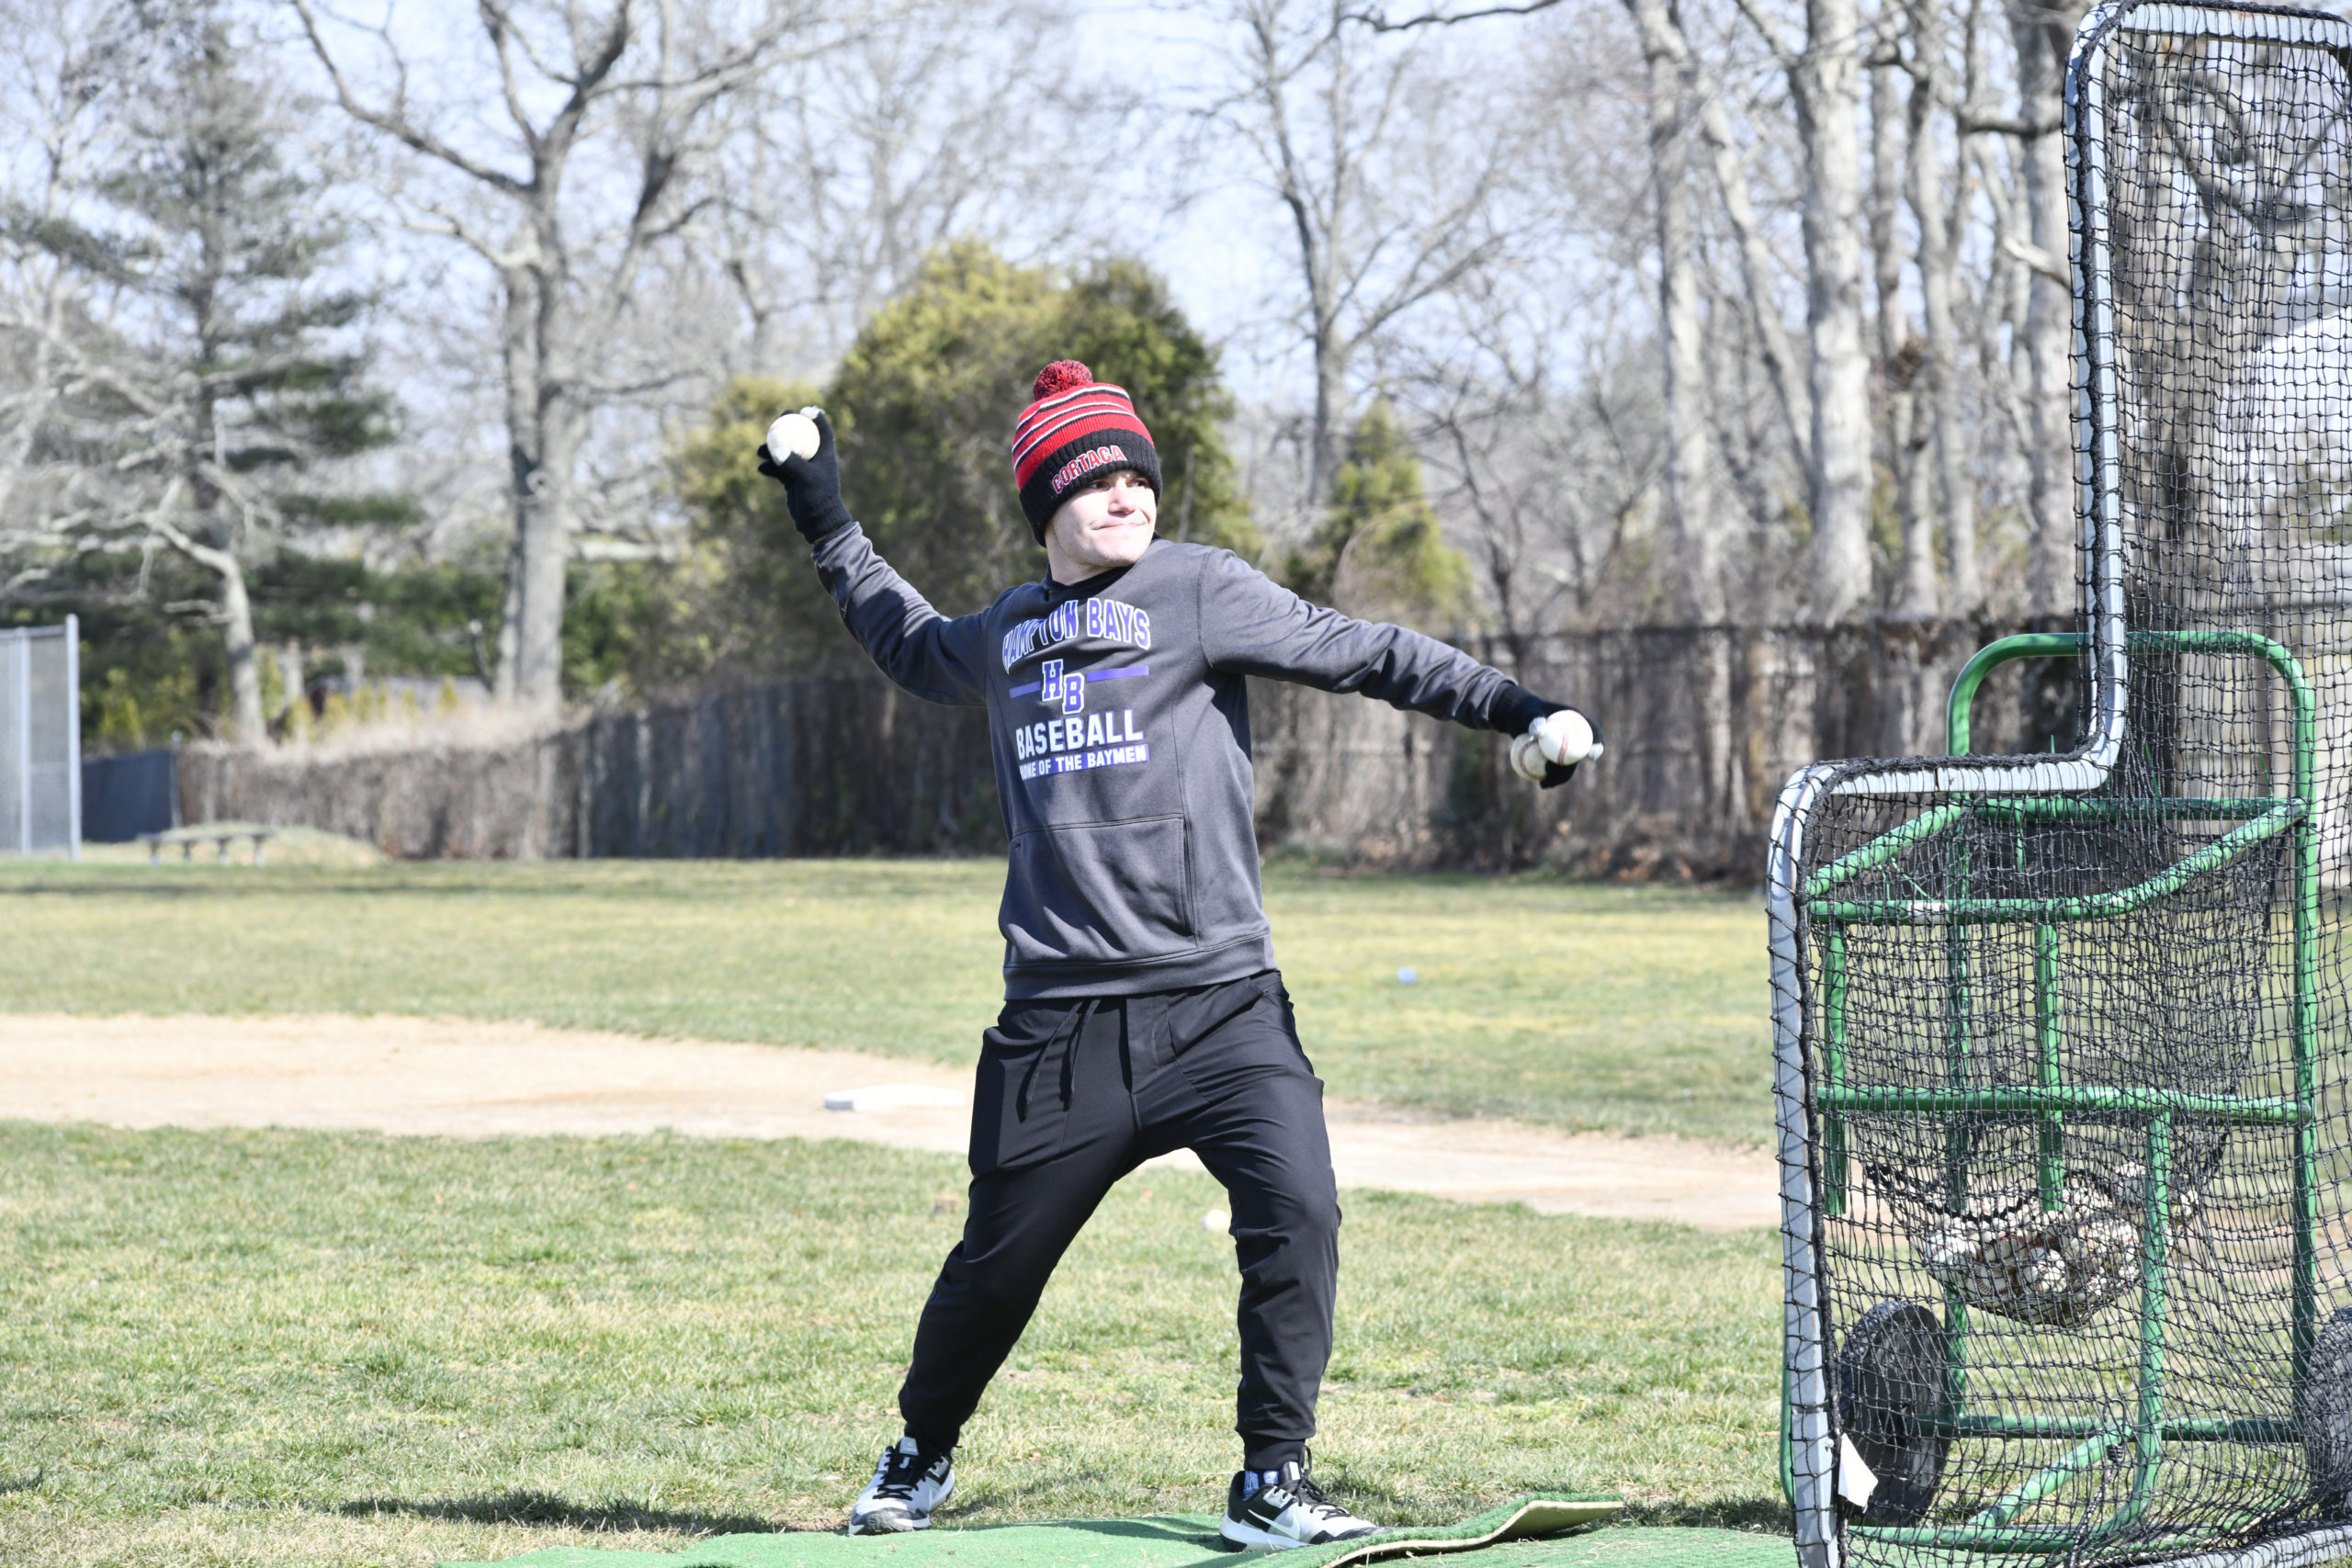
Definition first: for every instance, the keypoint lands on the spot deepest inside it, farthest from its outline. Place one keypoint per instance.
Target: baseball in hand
(1527, 758)
(793, 432)
(1564, 738)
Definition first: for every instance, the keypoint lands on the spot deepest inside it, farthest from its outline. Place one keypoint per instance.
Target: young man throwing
(1143, 1011)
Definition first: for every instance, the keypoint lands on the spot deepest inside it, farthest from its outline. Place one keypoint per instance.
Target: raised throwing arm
(933, 656)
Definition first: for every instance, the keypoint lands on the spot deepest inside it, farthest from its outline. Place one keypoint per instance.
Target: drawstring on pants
(1066, 1036)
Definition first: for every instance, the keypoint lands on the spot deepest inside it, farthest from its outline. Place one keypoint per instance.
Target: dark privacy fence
(822, 767)
(1703, 725)
(849, 765)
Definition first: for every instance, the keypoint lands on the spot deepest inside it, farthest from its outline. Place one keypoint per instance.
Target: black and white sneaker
(1282, 1508)
(907, 1484)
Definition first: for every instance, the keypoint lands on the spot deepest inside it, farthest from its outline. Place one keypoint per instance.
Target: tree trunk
(1899, 350)
(543, 446)
(237, 638)
(289, 671)
(1698, 521)
(548, 520)
(1939, 286)
(518, 347)
(1759, 276)
(247, 724)
(217, 550)
(1325, 440)
(2041, 40)
(1694, 515)
(1828, 77)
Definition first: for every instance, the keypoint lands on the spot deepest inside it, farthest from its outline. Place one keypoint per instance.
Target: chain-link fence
(41, 740)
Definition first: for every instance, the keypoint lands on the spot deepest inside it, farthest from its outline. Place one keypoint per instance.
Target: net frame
(1816, 894)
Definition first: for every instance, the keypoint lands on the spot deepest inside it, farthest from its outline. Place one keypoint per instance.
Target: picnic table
(216, 833)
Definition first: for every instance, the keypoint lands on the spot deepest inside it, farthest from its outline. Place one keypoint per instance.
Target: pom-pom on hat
(1075, 429)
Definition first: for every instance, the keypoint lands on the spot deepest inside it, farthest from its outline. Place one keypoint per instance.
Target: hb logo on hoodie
(1057, 690)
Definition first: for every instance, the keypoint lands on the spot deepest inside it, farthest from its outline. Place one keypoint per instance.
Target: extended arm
(936, 658)
(1254, 627)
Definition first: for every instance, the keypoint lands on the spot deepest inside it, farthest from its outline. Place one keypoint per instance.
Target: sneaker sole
(888, 1524)
(1239, 1537)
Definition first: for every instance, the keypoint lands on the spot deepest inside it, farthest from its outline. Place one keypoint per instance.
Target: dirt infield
(463, 1079)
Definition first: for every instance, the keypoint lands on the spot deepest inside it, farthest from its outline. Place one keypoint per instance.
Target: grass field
(1637, 1010)
(282, 1348)
(279, 1348)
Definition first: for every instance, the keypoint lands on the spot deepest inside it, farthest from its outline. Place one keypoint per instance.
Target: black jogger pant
(1071, 1096)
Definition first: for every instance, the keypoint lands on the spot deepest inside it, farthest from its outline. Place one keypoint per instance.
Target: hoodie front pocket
(1099, 892)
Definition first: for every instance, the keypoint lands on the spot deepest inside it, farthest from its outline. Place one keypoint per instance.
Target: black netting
(2064, 1039)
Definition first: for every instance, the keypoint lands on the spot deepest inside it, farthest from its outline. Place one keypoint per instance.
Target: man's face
(1106, 522)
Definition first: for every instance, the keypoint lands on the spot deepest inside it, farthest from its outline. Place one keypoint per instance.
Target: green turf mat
(1189, 1540)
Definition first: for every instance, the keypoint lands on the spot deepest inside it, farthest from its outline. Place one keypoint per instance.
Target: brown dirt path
(463, 1078)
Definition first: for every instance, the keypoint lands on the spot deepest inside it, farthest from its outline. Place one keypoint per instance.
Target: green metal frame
(2050, 1099)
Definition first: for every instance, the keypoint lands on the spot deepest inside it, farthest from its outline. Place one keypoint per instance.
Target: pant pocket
(1199, 1014)
(1253, 1042)
(1021, 1095)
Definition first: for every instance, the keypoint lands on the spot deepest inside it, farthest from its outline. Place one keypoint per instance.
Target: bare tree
(830, 194)
(1759, 274)
(188, 359)
(67, 80)
(1902, 352)
(1825, 88)
(611, 116)
(1940, 209)
(1826, 82)
(1385, 210)
(1533, 381)
(2041, 34)
(1504, 427)
(1695, 514)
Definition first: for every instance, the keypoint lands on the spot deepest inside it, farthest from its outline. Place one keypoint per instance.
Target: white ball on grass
(1216, 1220)
(1406, 976)
(793, 432)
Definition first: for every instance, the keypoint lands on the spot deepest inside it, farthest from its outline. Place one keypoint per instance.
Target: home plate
(892, 1097)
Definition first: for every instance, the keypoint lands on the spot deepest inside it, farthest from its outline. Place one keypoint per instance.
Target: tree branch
(2035, 257)
(501, 28)
(1380, 22)
(203, 555)
(2004, 125)
(1783, 55)
(394, 121)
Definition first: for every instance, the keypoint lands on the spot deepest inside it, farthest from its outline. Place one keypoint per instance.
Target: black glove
(1517, 712)
(812, 486)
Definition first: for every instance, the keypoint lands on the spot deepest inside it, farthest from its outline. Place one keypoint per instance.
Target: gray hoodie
(1120, 723)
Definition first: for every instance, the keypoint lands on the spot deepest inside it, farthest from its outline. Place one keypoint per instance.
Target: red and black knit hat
(1076, 428)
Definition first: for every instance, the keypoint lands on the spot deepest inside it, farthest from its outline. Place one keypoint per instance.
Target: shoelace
(897, 1473)
(1312, 1496)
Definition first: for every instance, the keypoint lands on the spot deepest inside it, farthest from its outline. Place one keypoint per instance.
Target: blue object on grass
(126, 796)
